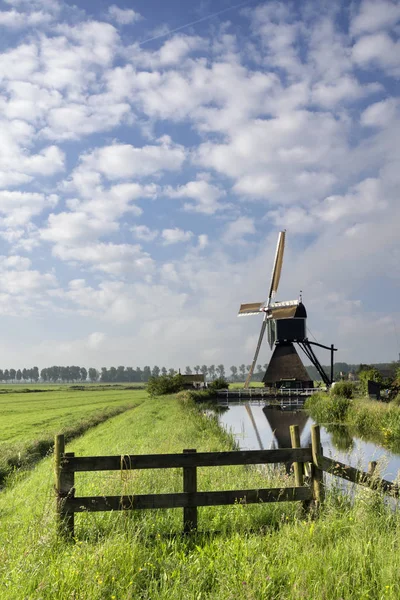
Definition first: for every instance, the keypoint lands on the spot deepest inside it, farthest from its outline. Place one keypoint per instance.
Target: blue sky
(147, 163)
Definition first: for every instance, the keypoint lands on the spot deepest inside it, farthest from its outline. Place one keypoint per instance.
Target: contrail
(220, 12)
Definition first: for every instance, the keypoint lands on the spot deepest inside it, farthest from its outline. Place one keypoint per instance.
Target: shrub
(328, 409)
(218, 384)
(343, 388)
(165, 384)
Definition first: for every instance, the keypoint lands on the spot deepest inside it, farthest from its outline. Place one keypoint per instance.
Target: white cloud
(122, 161)
(18, 208)
(74, 120)
(20, 20)
(123, 16)
(67, 228)
(374, 15)
(379, 114)
(175, 236)
(236, 230)
(144, 233)
(95, 339)
(204, 194)
(114, 259)
(379, 50)
(202, 241)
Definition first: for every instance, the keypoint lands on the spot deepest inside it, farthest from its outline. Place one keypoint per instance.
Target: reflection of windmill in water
(286, 324)
(280, 422)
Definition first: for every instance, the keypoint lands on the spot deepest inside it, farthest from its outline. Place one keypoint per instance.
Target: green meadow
(271, 551)
(30, 418)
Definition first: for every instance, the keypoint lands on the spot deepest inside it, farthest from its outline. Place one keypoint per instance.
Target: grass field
(245, 552)
(29, 420)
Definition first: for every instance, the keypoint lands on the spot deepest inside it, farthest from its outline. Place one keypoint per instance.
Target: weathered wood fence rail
(310, 460)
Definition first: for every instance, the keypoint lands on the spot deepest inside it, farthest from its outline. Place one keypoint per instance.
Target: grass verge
(246, 552)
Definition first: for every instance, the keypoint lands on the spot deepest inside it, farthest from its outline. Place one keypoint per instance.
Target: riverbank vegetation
(271, 551)
(370, 419)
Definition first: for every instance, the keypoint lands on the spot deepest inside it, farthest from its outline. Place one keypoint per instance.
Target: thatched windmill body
(285, 323)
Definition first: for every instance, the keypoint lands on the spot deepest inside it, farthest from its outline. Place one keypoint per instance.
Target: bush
(328, 409)
(165, 384)
(218, 384)
(343, 388)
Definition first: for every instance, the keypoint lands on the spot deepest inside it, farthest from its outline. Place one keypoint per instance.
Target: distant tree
(211, 372)
(1, 375)
(35, 374)
(234, 372)
(259, 369)
(171, 372)
(120, 374)
(221, 371)
(196, 369)
(13, 374)
(188, 371)
(146, 373)
(204, 370)
(130, 374)
(24, 375)
(84, 374)
(139, 374)
(265, 367)
(19, 375)
(164, 371)
(93, 374)
(112, 374)
(242, 370)
(104, 377)
(6, 375)
(155, 371)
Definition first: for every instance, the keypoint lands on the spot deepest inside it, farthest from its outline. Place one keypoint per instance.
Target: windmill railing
(248, 393)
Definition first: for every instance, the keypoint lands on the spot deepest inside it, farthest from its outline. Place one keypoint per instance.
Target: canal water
(256, 426)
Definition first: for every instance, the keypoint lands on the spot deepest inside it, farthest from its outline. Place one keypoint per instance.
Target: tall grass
(245, 552)
(377, 421)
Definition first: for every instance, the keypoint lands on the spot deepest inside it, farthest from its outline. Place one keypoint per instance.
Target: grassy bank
(28, 421)
(255, 552)
(376, 421)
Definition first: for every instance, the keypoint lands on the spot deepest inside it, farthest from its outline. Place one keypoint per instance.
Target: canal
(256, 426)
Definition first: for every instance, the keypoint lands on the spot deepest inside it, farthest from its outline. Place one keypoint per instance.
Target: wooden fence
(305, 460)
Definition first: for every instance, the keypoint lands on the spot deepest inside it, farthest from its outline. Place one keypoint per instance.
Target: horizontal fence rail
(182, 500)
(305, 460)
(198, 459)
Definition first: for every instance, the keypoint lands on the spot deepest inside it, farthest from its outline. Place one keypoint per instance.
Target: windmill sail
(253, 364)
(276, 271)
(254, 308)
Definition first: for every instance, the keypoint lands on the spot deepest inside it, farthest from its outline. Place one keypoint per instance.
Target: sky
(151, 151)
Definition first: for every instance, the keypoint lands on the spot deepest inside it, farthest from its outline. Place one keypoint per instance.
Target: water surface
(256, 427)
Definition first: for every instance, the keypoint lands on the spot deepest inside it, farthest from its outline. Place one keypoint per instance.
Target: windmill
(285, 323)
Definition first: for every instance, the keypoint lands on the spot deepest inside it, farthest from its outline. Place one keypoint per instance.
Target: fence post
(298, 467)
(64, 486)
(317, 474)
(189, 487)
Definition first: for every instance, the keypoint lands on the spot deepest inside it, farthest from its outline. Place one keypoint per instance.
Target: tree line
(120, 374)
